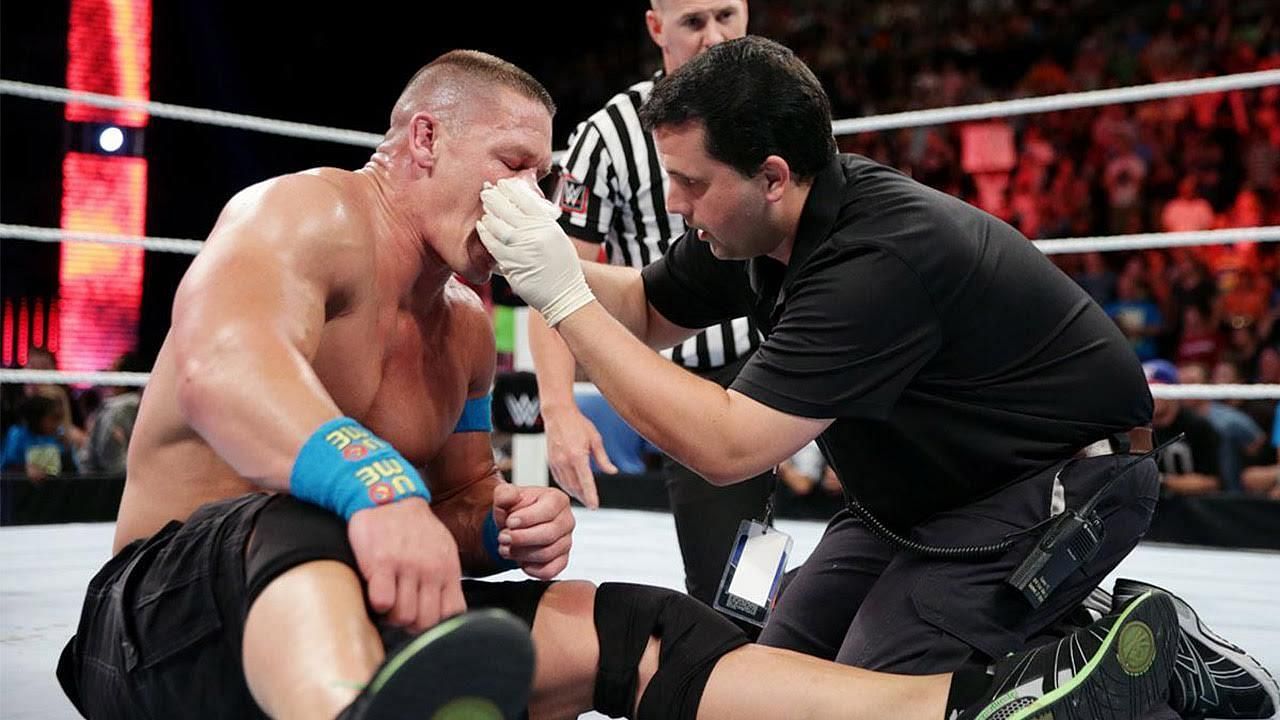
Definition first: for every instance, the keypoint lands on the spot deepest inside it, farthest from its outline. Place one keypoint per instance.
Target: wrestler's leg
(651, 653)
(566, 650)
(750, 681)
(771, 682)
(309, 645)
(311, 650)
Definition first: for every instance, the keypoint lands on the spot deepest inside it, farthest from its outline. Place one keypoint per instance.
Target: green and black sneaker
(476, 666)
(1213, 677)
(1114, 669)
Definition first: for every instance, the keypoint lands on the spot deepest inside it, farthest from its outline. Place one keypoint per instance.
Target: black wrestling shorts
(162, 624)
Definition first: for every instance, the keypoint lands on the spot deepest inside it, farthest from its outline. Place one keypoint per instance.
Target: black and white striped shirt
(613, 191)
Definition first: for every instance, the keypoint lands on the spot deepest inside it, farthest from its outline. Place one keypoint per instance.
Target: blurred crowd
(53, 430)
(1204, 314)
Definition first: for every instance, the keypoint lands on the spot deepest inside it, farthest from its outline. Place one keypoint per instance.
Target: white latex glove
(519, 230)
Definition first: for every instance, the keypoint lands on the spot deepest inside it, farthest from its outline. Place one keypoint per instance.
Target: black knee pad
(694, 637)
(289, 532)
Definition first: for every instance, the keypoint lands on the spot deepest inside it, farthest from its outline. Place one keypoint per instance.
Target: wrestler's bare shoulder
(322, 205)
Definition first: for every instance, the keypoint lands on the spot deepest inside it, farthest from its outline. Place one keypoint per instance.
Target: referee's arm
(552, 361)
(572, 440)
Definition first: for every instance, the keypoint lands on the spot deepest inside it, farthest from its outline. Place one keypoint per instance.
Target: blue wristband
(346, 468)
(490, 535)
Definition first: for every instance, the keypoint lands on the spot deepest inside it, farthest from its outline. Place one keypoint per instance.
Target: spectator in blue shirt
(1265, 480)
(1137, 316)
(32, 445)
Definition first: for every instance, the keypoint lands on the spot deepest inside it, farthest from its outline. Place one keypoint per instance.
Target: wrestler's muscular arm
(247, 324)
(535, 523)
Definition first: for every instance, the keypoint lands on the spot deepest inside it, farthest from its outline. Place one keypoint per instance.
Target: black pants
(161, 632)
(707, 516)
(859, 601)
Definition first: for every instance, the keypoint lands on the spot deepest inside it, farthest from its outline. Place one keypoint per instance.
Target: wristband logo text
(355, 443)
(386, 480)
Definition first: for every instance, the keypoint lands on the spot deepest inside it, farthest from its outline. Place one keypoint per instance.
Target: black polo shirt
(953, 356)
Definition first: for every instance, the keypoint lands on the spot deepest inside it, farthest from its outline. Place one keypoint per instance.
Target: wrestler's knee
(561, 630)
(658, 646)
(287, 533)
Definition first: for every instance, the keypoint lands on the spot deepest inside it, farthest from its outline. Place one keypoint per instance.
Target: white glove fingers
(497, 203)
(527, 199)
(501, 230)
(487, 238)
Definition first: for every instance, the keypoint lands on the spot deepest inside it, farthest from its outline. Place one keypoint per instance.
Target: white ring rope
(1259, 391)
(46, 234)
(59, 377)
(137, 379)
(1148, 241)
(192, 114)
(1050, 103)
(914, 118)
(1102, 243)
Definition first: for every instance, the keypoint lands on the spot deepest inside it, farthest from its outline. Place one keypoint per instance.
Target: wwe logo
(523, 409)
(573, 196)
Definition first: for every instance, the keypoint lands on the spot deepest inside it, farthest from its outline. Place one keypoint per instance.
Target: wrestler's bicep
(267, 271)
(465, 460)
(467, 455)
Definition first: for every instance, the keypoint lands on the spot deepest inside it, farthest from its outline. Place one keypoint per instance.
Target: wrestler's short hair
(461, 71)
(754, 98)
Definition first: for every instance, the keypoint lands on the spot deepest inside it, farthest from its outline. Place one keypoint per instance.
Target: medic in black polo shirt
(963, 388)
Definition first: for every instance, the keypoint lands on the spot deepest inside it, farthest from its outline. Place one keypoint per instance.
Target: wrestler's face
(508, 135)
(684, 28)
(729, 211)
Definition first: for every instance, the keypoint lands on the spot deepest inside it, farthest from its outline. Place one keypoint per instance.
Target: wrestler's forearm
(255, 400)
(463, 512)
(660, 400)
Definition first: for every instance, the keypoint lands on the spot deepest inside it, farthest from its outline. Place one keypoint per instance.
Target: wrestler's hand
(572, 441)
(535, 256)
(535, 527)
(410, 561)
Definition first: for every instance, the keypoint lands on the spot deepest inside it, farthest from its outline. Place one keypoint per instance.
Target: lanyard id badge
(749, 586)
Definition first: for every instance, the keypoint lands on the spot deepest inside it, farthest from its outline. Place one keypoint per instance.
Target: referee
(613, 193)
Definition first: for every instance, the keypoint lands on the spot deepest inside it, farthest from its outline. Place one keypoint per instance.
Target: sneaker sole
(477, 666)
(1126, 676)
(1189, 622)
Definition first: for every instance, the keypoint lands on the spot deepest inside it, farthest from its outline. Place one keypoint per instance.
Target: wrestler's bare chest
(402, 373)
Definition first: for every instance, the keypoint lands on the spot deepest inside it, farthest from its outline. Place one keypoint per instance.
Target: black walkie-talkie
(1071, 541)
